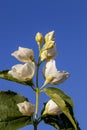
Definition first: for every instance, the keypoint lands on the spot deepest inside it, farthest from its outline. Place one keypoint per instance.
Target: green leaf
(10, 116)
(4, 75)
(63, 101)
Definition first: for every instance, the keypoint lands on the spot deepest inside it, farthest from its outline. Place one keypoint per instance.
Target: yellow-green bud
(49, 36)
(49, 44)
(39, 38)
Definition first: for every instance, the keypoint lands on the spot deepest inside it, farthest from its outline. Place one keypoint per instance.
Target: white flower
(23, 72)
(26, 108)
(52, 108)
(51, 70)
(23, 54)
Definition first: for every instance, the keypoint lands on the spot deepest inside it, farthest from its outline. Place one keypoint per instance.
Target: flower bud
(26, 108)
(49, 36)
(49, 45)
(48, 54)
(48, 51)
(52, 108)
(39, 38)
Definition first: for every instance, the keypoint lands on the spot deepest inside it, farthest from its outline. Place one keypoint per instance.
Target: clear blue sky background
(20, 20)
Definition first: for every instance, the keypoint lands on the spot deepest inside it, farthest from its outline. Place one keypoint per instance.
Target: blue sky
(20, 20)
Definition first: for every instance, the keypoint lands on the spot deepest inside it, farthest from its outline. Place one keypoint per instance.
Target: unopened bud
(52, 108)
(49, 36)
(26, 108)
(49, 45)
(39, 38)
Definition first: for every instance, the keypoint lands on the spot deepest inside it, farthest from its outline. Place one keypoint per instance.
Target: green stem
(41, 89)
(37, 96)
(35, 126)
(35, 121)
(36, 109)
(37, 71)
(37, 76)
(37, 103)
(37, 91)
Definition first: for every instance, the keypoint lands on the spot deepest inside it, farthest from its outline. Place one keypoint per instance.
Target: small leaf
(10, 116)
(63, 101)
(4, 75)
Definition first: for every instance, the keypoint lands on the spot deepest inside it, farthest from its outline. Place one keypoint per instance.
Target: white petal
(60, 77)
(50, 68)
(16, 71)
(52, 52)
(23, 54)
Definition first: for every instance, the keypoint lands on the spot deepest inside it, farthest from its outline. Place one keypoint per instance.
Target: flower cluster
(48, 51)
(26, 70)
